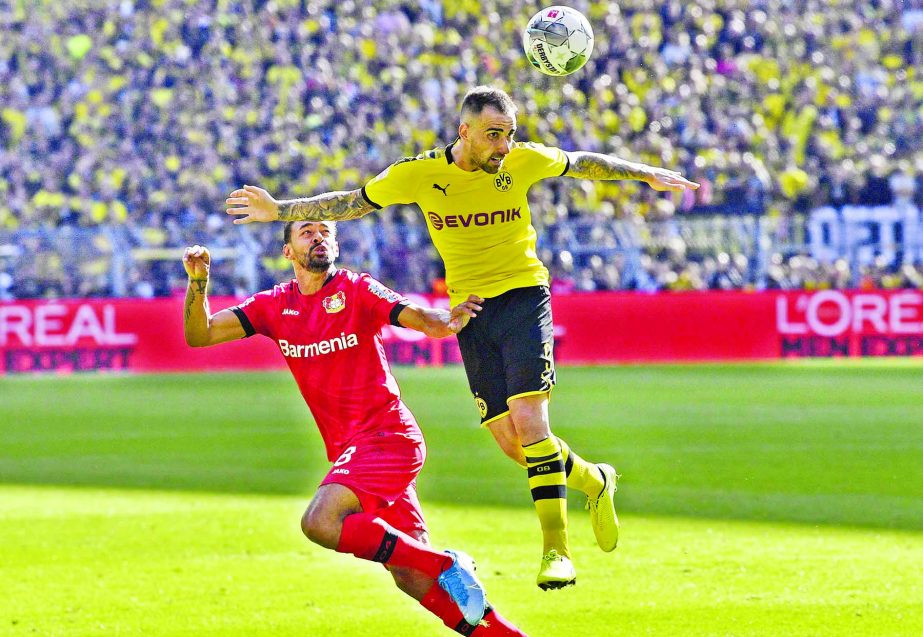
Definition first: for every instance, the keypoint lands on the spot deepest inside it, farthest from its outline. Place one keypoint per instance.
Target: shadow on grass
(893, 513)
(250, 434)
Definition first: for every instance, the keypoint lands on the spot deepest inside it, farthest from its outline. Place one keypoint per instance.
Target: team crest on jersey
(482, 406)
(503, 181)
(335, 303)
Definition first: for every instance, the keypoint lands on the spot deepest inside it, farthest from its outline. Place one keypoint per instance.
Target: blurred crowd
(128, 122)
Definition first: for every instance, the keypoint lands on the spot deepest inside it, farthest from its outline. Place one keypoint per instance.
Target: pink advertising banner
(65, 336)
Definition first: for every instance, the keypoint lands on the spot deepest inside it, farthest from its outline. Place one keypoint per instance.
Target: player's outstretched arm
(251, 204)
(200, 327)
(440, 323)
(587, 165)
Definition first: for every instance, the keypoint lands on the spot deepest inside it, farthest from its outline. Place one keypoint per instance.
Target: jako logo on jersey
(474, 219)
(343, 341)
(335, 303)
(289, 312)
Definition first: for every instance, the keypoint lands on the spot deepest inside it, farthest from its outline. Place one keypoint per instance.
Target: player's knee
(309, 524)
(319, 527)
(531, 425)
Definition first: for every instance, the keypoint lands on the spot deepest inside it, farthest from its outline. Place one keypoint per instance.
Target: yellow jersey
(480, 223)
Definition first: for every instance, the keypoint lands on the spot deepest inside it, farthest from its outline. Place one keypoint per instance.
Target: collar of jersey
(329, 278)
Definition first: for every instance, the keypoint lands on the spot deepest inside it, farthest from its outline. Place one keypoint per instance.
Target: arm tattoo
(195, 286)
(330, 206)
(586, 165)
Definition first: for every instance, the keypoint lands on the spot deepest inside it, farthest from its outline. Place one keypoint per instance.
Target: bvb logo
(482, 405)
(503, 181)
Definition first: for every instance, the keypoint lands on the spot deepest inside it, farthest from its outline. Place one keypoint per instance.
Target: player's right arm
(396, 184)
(251, 204)
(200, 327)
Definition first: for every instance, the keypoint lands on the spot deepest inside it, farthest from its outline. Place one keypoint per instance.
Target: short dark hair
(287, 230)
(480, 97)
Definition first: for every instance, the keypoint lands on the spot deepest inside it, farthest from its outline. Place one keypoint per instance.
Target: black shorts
(508, 350)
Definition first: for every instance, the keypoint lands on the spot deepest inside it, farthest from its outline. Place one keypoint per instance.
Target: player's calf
(411, 582)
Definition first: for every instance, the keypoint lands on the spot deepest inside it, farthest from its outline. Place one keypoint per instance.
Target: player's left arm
(587, 165)
(438, 323)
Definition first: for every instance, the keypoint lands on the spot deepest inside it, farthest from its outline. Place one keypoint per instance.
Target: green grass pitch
(777, 499)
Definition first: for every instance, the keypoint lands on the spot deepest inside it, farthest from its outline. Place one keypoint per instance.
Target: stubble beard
(489, 168)
(317, 264)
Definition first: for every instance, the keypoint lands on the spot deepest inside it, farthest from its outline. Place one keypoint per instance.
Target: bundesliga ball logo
(558, 40)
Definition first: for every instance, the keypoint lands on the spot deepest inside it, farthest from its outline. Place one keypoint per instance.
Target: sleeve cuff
(365, 196)
(395, 312)
(244, 321)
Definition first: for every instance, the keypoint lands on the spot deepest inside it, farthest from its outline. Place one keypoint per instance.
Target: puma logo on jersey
(289, 312)
(443, 189)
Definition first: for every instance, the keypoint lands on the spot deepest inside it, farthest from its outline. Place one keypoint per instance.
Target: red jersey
(331, 341)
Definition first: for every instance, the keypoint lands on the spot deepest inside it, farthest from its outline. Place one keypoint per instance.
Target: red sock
(438, 602)
(371, 538)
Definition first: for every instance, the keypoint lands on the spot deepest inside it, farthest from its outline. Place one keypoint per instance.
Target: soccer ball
(558, 40)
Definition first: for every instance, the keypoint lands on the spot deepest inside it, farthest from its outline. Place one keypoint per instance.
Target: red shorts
(381, 470)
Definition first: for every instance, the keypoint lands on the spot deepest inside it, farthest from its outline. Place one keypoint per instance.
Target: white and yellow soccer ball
(558, 40)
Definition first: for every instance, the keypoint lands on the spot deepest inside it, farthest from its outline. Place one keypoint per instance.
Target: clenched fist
(197, 261)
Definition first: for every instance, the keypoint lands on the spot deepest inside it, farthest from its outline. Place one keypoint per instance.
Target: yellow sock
(581, 475)
(549, 492)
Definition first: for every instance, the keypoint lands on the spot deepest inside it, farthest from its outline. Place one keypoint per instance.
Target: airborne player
(473, 194)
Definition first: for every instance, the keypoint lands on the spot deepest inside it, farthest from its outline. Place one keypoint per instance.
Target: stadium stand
(124, 124)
